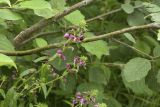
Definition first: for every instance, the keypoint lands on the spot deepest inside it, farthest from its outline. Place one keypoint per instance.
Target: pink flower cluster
(80, 62)
(83, 99)
(73, 37)
(60, 54)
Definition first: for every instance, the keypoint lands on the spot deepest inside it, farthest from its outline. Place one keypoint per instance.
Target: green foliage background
(123, 69)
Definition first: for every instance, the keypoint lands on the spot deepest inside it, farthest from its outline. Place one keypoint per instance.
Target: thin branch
(40, 35)
(108, 13)
(89, 20)
(58, 45)
(27, 33)
(114, 65)
(133, 48)
(114, 33)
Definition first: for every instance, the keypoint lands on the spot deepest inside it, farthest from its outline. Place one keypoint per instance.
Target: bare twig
(58, 45)
(108, 13)
(40, 35)
(27, 33)
(133, 48)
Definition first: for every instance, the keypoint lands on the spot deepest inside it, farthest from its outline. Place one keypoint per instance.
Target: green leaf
(101, 73)
(156, 51)
(128, 8)
(67, 87)
(40, 59)
(150, 40)
(44, 88)
(154, 11)
(40, 42)
(5, 44)
(76, 18)
(2, 93)
(155, 17)
(136, 18)
(5, 60)
(158, 35)
(136, 69)
(11, 98)
(138, 86)
(152, 8)
(9, 15)
(41, 105)
(142, 46)
(46, 13)
(112, 102)
(34, 4)
(84, 87)
(26, 72)
(97, 48)
(5, 2)
(158, 77)
(58, 4)
(129, 37)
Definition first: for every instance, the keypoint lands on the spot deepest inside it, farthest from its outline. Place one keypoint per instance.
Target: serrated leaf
(5, 44)
(9, 15)
(6, 61)
(152, 8)
(40, 42)
(136, 69)
(101, 73)
(34, 4)
(128, 8)
(5, 2)
(97, 48)
(76, 18)
(129, 37)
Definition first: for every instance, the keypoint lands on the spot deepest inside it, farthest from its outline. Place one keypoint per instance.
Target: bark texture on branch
(27, 33)
(58, 45)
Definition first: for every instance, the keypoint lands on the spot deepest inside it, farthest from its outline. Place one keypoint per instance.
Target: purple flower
(82, 63)
(76, 59)
(68, 66)
(78, 95)
(62, 57)
(74, 102)
(66, 35)
(82, 101)
(59, 51)
(60, 54)
(72, 37)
